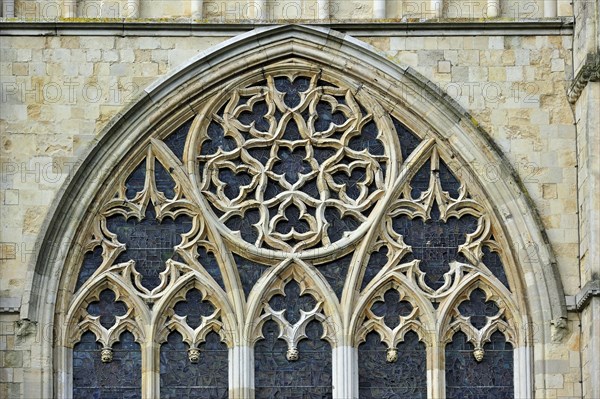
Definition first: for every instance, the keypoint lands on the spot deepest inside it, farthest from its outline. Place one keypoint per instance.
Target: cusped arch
(175, 98)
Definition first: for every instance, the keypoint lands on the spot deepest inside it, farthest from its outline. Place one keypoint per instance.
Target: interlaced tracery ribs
(293, 212)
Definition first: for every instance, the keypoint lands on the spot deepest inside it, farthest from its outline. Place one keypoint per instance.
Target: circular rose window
(292, 161)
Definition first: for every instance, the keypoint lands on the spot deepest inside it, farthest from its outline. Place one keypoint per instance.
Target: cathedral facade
(300, 198)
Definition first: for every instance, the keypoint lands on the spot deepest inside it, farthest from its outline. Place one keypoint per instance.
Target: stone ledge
(579, 301)
(445, 27)
(589, 72)
(10, 305)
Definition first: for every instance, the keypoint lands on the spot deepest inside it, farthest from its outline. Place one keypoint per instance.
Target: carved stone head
(194, 355)
(478, 353)
(106, 355)
(392, 355)
(292, 354)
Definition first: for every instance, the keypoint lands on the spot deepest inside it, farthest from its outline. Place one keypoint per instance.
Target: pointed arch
(176, 98)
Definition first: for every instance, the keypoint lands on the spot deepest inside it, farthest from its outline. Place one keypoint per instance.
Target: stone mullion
(436, 374)
(241, 372)
(150, 369)
(345, 372)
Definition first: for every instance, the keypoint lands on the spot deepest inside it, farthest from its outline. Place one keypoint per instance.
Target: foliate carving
(288, 154)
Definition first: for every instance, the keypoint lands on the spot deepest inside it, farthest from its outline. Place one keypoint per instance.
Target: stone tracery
(283, 165)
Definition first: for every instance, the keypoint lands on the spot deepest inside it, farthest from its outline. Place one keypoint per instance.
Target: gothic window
(293, 234)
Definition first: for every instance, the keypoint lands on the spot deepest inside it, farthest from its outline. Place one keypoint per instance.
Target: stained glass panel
(136, 180)
(193, 308)
(493, 262)
(435, 242)
(292, 302)
(91, 262)
(207, 379)
(107, 308)
(492, 378)
(119, 379)
(308, 377)
(408, 141)
(377, 260)
(176, 140)
(149, 242)
(249, 272)
(164, 180)
(404, 379)
(478, 309)
(392, 308)
(335, 273)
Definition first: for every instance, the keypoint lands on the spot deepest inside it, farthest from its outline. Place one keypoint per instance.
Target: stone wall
(287, 9)
(59, 92)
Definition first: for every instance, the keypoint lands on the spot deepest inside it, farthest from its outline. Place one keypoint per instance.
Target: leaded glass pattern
(91, 262)
(294, 218)
(149, 242)
(405, 378)
(119, 379)
(106, 309)
(206, 379)
(492, 378)
(435, 242)
(478, 309)
(308, 377)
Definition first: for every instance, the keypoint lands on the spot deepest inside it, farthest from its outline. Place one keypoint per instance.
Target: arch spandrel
(399, 91)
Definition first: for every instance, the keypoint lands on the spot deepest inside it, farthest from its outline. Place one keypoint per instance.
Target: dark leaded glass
(292, 163)
(292, 302)
(149, 242)
(377, 260)
(368, 140)
(308, 377)
(256, 118)
(420, 181)
(119, 379)
(326, 117)
(107, 308)
(404, 379)
(408, 141)
(245, 225)
(492, 378)
(164, 180)
(194, 307)
(478, 308)
(209, 261)
(136, 180)
(352, 181)
(216, 140)
(392, 308)
(91, 262)
(339, 224)
(435, 242)
(292, 89)
(176, 140)
(449, 182)
(207, 379)
(249, 272)
(493, 262)
(335, 272)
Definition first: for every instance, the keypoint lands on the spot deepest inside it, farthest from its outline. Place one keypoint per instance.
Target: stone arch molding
(448, 132)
